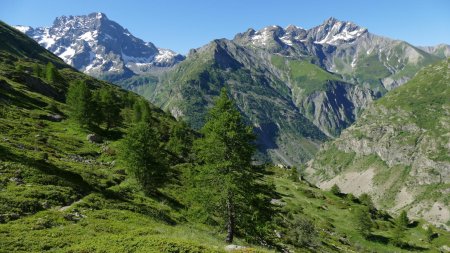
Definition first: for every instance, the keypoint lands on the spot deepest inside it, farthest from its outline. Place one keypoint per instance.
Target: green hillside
(398, 150)
(60, 192)
(284, 134)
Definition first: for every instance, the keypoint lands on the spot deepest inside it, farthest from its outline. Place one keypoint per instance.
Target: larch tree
(224, 155)
(79, 100)
(110, 107)
(141, 153)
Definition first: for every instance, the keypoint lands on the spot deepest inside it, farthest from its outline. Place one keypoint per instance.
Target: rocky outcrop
(403, 141)
(337, 107)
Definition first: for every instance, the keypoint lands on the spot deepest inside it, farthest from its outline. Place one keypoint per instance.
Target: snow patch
(67, 55)
(286, 40)
(22, 28)
(164, 55)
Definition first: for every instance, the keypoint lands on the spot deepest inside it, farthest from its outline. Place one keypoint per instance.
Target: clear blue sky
(181, 25)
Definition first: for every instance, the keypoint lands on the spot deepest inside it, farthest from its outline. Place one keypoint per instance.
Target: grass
(333, 218)
(304, 75)
(61, 193)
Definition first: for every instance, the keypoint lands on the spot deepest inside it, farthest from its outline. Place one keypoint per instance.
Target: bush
(363, 222)
(302, 232)
(294, 175)
(335, 190)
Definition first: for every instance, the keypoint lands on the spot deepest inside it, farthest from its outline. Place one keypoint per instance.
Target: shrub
(302, 232)
(335, 190)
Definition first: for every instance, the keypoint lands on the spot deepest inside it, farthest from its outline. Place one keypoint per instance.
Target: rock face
(296, 87)
(100, 47)
(398, 150)
(347, 49)
(441, 50)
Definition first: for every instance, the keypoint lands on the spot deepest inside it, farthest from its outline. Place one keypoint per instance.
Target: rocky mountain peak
(97, 45)
(334, 32)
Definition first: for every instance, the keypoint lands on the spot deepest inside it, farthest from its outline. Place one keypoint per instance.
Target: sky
(182, 25)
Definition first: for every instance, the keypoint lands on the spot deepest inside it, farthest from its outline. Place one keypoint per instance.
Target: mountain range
(355, 112)
(297, 87)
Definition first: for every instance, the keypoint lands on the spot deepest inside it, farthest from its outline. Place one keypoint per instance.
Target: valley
(282, 139)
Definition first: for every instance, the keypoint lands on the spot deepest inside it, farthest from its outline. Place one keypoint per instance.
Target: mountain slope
(60, 192)
(398, 149)
(100, 47)
(441, 50)
(285, 134)
(344, 48)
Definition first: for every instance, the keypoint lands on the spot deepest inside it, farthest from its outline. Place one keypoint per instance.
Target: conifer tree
(335, 190)
(142, 155)
(225, 154)
(429, 234)
(109, 106)
(363, 222)
(51, 73)
(37, 70)
(180, 141)
(401, 224)
(141, 111)
(80, 103)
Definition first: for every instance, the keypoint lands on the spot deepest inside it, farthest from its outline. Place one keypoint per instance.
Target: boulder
(55, 117)
(94, 138)
(233, 247)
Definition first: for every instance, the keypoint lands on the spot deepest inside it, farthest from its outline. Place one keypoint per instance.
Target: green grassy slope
(58, 191)
(401, 144)
(61, 193)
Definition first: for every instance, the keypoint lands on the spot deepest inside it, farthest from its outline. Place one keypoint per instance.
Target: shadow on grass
(122, 202)
(410, 247)
(68, 178)
(413, 224)
(378, 239)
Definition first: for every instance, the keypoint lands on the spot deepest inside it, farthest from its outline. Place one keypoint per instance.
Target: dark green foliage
(302, 232)
(142, 156)
(180, 141)
(37, 70)
(335, 190)
(51, 73)
(401, 225)
(80, 103)
(429, 234)
(225, 170)
(403, 220)
(141, 111)
(294, 175)
(366, 200)
(363, 222)
(351, 197)
(109, 104)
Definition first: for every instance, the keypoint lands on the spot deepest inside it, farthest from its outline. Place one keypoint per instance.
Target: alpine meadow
(279, 139)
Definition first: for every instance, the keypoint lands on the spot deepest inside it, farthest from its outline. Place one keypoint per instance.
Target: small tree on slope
(224, 154)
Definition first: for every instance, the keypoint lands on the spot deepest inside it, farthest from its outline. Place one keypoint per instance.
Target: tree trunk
(230, 221)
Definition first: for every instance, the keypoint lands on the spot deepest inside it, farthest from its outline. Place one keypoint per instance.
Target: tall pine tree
(142, 155)
(79, 100)
(225, 154)
(51, 73)
(110, 107)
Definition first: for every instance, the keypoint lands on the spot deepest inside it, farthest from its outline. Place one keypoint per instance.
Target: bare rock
(233, 247)
(94, 138)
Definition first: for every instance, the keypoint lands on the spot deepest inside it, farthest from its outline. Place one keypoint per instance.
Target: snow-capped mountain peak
(334, 32)
(97, 45)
